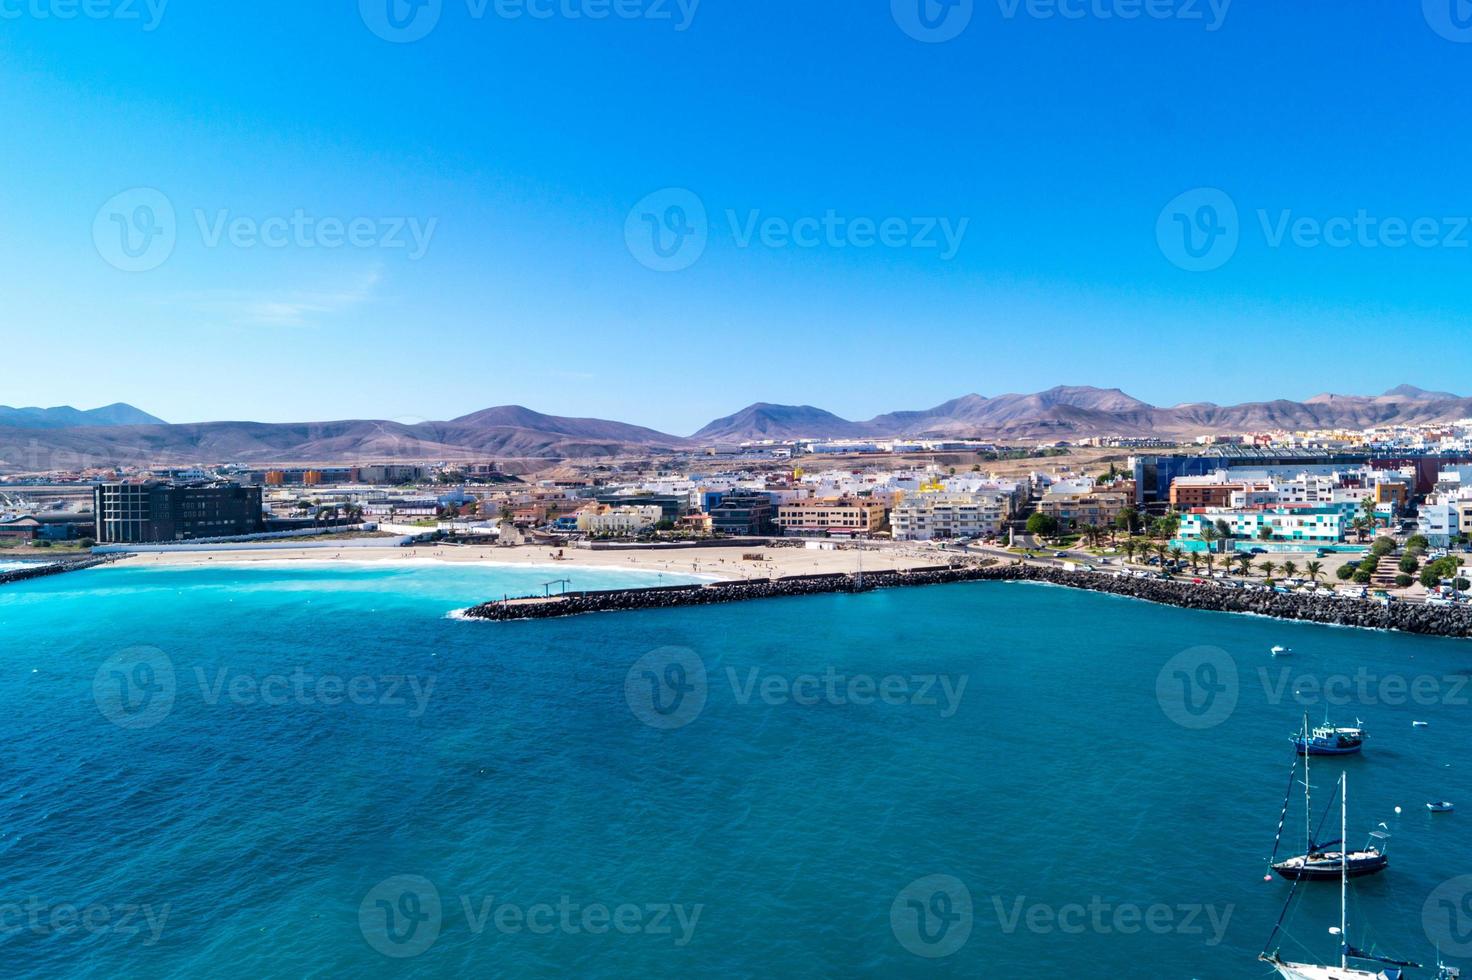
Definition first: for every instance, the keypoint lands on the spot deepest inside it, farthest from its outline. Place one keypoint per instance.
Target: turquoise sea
(314, 771)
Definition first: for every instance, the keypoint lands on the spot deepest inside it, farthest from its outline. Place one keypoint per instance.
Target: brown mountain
(508, 432)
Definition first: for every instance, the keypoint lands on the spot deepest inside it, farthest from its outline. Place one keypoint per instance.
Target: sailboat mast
(1343, 869)
(1308, 815)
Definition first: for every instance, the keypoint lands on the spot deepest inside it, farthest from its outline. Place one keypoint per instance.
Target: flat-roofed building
(831, 515)
(138, 513)
(941, 516)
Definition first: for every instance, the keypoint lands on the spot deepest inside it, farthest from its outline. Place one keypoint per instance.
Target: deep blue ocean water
(190, 789)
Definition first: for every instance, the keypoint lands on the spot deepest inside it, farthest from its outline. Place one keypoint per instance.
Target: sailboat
(1322, 862)
(1385, 969)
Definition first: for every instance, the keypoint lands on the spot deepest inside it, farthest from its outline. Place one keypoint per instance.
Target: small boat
(1442, 806)
(1420, 724)
(1282, 652)
(1329, 740)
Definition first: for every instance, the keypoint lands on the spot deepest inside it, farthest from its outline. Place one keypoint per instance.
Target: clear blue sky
(527, 142)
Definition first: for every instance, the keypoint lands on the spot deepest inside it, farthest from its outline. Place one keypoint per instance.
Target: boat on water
(1282, 652)
(1441, 806)
(1328, 860)
(1328, 739)
(1354, 963)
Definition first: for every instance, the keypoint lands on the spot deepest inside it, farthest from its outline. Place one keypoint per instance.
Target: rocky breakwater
(40, 570)
(1407, 617)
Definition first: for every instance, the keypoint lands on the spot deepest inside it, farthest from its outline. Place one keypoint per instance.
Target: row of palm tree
(1245, 563)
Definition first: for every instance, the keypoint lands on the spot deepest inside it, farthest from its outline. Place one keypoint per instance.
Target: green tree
(1418, 542)
(1344, 573)
(1265, 533)
(1315, 571)
(1127, 520)
(1042, 525)
(1404, 581)
(1290, 569)
(1410, 565)
(1382, 546)
(1268, 568)
(1244, 564)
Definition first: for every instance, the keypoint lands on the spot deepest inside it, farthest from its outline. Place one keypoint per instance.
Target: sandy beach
(727, 563)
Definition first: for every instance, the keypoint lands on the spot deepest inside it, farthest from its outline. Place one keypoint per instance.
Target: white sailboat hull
(1310, 971)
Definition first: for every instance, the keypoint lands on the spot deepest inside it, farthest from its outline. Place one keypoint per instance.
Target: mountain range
(64, 438)
(66, 417)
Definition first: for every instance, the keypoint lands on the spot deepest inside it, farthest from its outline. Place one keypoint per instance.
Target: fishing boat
(1330, 740)
(1441, 806)
(1282, 652)
(1352, 961)
(1331, 859)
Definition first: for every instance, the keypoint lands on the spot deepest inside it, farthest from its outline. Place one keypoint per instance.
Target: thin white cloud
(290, 308)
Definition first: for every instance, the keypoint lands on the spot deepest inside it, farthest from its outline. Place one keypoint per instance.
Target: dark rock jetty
(56, 568)
(1407, 617)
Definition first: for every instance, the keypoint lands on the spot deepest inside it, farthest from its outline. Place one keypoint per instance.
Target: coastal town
(1381, 513)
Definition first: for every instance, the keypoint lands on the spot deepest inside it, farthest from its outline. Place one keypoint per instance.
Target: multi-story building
(618, 520)
(1098, 506)
(831, 515)
(1309, 525)
(743, 513)
(137, 513)
(930, 516)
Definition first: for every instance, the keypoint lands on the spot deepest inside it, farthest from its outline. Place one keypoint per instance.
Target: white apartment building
(619, 520)
(932, 516)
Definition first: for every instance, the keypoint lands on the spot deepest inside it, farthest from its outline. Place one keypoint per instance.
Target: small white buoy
(1267, 877)
(1397, 809)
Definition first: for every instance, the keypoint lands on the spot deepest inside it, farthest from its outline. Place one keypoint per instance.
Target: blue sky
(521, 148)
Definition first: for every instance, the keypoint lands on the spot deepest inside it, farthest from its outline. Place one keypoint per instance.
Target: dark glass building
(140, 513)
(744, 514)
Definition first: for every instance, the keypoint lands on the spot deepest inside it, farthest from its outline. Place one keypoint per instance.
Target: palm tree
(1210, 562)
(1268, 568)
(1211, 536)
(1130, 547)
(1176, 554)
(1290, 569)
(1195, 562)
(1315, 571)
(1244, 562)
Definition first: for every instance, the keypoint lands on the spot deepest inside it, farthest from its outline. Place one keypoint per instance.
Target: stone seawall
(56, 568)
(1407, 617)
